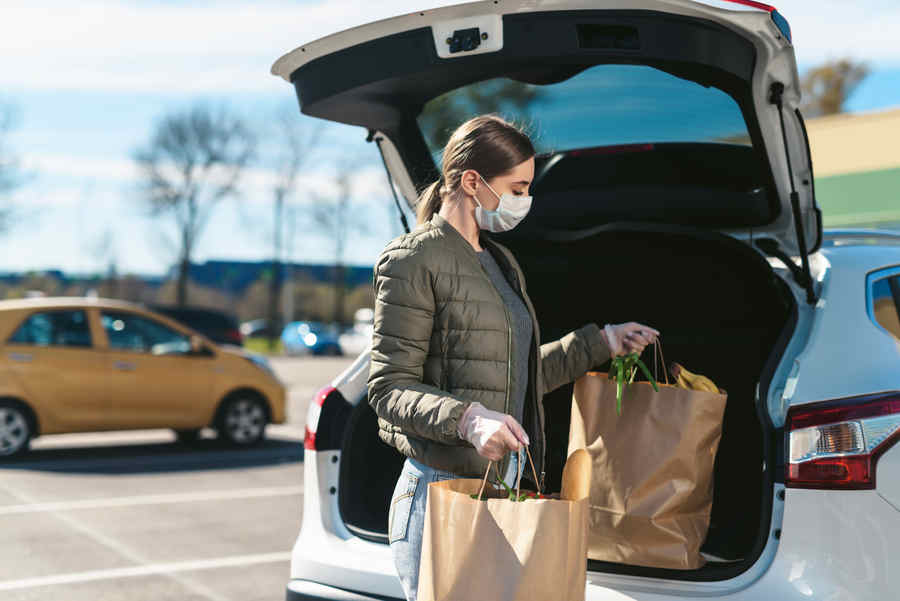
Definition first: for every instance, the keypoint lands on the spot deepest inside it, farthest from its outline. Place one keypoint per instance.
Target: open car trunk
(671, 129)
(722, 312)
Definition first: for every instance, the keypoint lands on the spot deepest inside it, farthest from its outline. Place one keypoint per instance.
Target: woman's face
(516, 181)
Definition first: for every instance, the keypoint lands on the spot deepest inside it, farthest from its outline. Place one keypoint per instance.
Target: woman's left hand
(630, 337)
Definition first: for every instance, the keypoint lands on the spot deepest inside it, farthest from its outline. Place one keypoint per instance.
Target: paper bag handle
(518, 475)
(658, 355)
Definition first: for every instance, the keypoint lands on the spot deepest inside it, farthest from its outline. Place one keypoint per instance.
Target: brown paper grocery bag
(652, 483)
(500, 550)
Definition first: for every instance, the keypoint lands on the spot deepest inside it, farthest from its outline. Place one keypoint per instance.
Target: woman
(457, 367)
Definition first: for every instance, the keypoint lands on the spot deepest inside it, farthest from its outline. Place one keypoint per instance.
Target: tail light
(836, 444)
(777, 18)
(312, 417)
(729, 4)
(753, 4)
(235, 336)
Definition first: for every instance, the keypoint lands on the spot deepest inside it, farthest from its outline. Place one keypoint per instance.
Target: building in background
(856, 160)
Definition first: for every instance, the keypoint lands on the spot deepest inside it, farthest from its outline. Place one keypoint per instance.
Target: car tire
(188, 437)
(242, 420)
(16, 430)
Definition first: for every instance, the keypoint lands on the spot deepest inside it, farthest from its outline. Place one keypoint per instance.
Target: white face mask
(511, 210)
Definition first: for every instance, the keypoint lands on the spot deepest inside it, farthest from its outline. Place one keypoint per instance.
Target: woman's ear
(469, 182)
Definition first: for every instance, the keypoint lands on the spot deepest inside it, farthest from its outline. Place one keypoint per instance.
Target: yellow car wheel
(243, 419)
(15, 429)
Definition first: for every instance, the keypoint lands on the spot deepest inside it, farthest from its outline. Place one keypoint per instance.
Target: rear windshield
(601, 106)
(623, 143)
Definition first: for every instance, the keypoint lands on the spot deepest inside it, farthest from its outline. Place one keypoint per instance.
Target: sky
(90, 79)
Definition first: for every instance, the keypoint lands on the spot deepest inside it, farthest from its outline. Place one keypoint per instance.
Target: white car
(674, 187)
(358, 339)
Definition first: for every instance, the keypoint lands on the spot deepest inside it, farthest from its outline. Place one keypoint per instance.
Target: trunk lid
(666, 111)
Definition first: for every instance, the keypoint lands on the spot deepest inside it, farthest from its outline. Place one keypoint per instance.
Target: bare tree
(827, 87)
(194, 160)
(295, 146)
(334, 217)
(10, 177)
(445, 113)
(103, 250)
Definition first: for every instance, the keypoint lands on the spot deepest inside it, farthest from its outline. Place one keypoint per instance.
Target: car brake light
(777, 18)
(753, 4)
(234, 336)
(836, 444)
(312, 417)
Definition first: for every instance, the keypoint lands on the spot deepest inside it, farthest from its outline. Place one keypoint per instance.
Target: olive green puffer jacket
(442, 340)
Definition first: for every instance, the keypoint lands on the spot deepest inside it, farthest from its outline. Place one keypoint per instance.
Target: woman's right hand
(628, 337)
(493, 434)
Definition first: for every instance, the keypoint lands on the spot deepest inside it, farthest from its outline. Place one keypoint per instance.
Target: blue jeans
(406, 519)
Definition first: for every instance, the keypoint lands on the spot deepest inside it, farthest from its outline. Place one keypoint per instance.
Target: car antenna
(377, 140)
(802, 276)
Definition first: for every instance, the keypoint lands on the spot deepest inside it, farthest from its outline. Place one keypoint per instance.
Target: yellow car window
(54, 328)
(127, 331)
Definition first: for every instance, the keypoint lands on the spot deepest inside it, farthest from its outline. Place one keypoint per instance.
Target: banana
(692, 381)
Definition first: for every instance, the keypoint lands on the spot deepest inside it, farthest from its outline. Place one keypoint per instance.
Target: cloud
(230, 46)
(828, 29)
(55, 174)
(81, 167)
(145, 46)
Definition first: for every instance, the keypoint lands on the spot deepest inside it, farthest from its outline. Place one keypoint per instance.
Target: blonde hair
(489, 144)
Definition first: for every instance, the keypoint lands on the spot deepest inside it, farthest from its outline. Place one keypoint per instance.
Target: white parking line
(145, 570)
(214, 495)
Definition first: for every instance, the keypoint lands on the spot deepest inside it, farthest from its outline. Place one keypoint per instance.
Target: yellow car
(87, 365)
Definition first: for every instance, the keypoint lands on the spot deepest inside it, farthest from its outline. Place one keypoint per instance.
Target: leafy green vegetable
(509, 491)
(623, 370)
(647, 373)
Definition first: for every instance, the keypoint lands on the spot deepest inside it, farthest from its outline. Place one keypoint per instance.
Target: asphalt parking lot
(135, 515)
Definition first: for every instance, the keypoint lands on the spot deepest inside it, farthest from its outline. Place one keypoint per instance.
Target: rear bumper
(304, 590)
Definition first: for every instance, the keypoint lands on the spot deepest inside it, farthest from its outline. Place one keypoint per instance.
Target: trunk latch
(464, 40)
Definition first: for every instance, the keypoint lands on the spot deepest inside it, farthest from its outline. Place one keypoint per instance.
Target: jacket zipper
(508, 372)
(533, 385)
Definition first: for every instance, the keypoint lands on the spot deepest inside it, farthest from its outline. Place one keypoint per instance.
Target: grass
(261, 345)
(860, 198)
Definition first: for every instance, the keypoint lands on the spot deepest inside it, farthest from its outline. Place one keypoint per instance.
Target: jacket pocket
(401, 508)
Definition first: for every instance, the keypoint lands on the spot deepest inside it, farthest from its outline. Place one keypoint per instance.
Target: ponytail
(429, 202)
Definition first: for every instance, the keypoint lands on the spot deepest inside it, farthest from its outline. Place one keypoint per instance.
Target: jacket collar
(451, 233)
(500, 254)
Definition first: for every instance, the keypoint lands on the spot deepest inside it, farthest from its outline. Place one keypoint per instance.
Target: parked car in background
(218, 326)
(674, 186)
(257, 328)
(88, 365)
(358, 338)
(310, 338)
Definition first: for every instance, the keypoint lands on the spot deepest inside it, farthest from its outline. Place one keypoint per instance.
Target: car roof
(862, 258)
(65, 302)
(189, 310)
